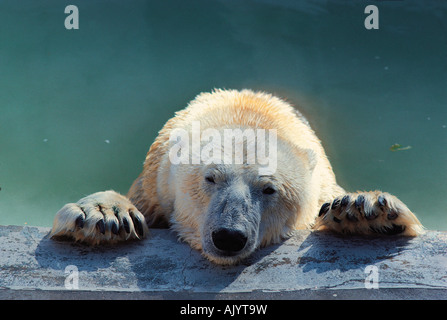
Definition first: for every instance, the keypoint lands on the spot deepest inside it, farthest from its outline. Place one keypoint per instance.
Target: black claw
(126, 225)
(116, 211)
(101, 226)
(382, 201)
(393, 230)
(100, 209)
(138, 224)
(371, 215)
(324, 209)
(80, 222)
(351, 217)
(336, 219)
(115, 227)
(392, 215)
(345, 201)
(335, 204)
(359, 202)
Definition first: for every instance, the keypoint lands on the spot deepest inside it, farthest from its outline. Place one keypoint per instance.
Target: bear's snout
(231, 241)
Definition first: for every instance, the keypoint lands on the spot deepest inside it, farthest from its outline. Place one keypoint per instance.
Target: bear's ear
(311, 157)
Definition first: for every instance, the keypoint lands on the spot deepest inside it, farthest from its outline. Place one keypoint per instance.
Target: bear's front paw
(368, 213)
(101, 217)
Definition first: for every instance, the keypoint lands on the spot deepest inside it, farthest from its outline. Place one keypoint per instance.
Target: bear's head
(229, 209)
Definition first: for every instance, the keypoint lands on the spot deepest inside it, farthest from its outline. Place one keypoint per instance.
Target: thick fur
(198, 200)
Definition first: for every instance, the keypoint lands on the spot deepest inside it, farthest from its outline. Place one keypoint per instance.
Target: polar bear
(226, 202)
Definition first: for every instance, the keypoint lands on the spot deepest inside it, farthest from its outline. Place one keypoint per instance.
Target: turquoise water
(80, 108)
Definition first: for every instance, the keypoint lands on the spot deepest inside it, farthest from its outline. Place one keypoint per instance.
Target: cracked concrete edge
(306, 265)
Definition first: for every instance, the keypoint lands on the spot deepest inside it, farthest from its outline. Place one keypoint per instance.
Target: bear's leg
(100, 217)
(370, 213)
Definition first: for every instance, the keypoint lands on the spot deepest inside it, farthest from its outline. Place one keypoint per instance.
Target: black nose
(229, 240)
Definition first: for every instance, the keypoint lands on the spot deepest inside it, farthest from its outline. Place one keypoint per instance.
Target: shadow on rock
(159, 262)
(323, 251)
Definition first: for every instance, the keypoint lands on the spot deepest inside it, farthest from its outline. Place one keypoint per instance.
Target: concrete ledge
(307, 266)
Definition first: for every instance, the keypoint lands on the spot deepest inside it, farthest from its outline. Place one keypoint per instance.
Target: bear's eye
(210, 179)
(268, 190)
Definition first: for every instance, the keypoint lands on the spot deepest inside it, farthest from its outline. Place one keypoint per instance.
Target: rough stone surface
(309, 265)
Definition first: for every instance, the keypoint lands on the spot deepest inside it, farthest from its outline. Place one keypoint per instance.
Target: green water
(80, 108)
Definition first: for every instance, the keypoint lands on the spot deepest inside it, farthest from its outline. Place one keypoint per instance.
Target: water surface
(80, 108)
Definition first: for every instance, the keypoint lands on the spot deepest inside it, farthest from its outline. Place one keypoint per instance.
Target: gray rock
(307, 266)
